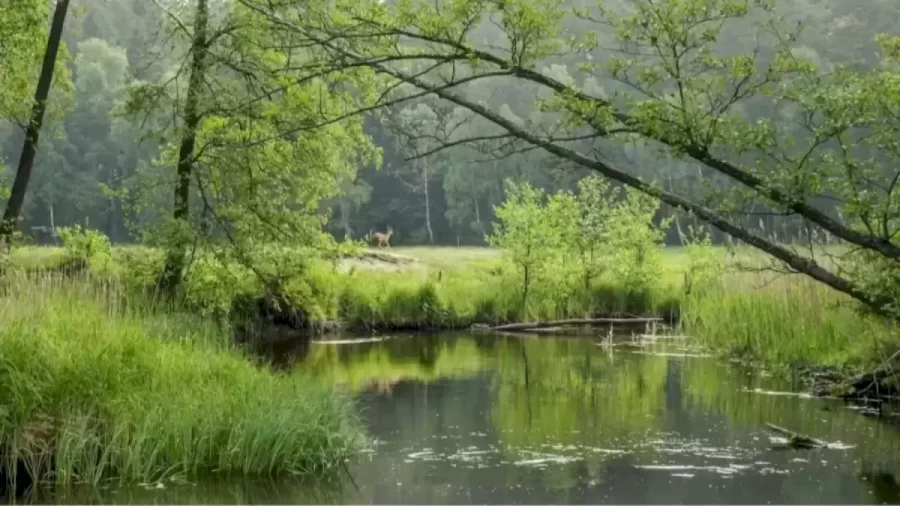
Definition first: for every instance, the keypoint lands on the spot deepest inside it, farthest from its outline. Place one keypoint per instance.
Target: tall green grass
(752, 315)
(97, 385)
(790, 321)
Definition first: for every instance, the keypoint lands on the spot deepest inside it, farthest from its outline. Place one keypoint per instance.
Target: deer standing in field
(382, 240)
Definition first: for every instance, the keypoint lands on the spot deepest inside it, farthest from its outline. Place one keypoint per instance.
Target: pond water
(493, 419)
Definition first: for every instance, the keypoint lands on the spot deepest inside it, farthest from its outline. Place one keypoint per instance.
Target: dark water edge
(458, 418)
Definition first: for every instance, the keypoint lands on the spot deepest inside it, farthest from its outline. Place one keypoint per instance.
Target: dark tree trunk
(35, 122)
(173, 271)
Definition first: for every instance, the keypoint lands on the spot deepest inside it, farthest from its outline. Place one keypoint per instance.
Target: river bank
(728, 301)
(101, 385)
(89, 361)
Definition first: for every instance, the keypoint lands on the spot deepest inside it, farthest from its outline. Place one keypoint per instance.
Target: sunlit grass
(98, 385)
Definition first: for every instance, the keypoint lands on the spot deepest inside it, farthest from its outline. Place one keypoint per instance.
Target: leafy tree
(634, 243)
(525, 234)
(589, 240)
(83, 151)
(417, 125)
(674, 87)
(22, 29)
(259, 142)
(465, 188)
(353, 195)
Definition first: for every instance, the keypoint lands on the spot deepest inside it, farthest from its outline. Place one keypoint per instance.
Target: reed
(790, 321)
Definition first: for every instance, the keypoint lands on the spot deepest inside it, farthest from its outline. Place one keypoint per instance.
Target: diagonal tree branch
(799, 263)
(882, 245)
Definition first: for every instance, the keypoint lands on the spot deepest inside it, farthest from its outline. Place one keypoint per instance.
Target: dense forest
(92, 150)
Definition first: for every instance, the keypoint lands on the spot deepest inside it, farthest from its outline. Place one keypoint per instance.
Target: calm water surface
(487, 419)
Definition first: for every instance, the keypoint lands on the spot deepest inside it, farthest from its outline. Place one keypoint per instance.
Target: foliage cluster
(86, 246)
(563, 246)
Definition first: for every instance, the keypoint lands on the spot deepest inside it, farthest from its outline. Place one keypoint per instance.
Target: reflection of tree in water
(377, 365)
(428, 352)
(282, 354)
(559, 391)
(882, 483)
(567, 398)
(486, 344)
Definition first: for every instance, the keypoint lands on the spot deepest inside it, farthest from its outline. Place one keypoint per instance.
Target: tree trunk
(345, 218)
(173, 271)
(53, 224)
(112, 210)
(36, 121)
(477, 211)
(526, 280)
(427, 204)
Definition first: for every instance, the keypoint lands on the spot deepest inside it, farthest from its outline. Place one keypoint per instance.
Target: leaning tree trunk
(175, 259)
(35, 122)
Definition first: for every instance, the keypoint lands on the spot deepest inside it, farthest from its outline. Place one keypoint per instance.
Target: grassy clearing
(456, 287)
(99, 385)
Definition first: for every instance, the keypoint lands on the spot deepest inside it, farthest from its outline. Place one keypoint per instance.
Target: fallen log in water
(351, 341)
(535, 326)
(796, 440)
(870, 384)
(873, 381)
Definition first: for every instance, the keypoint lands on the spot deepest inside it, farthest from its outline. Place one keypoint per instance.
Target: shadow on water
(488, 419)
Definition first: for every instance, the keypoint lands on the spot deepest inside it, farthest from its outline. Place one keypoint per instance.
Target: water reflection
(328, 489)
(553, 420)
(486, 419)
